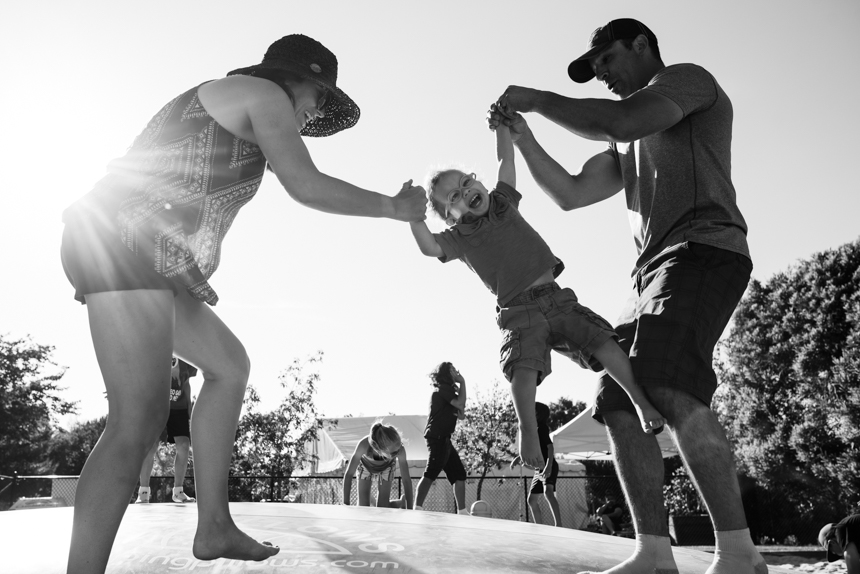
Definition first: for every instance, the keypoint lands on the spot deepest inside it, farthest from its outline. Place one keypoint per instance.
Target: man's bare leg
(639, 464)
(707, 454)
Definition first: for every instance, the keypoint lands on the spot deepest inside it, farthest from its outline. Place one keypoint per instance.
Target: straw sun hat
(309, 59)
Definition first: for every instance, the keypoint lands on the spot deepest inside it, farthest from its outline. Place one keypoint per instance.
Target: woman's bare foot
(219, 540)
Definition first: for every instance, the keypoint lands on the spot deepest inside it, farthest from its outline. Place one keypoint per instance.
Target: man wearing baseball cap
(667, 137)
(840, 541)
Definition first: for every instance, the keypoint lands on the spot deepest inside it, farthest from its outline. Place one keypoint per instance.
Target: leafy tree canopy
(275, 443)
(790, 373)
(68, 449)
(487, 437)
(29, 403)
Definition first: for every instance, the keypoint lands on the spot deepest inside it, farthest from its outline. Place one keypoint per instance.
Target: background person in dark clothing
(447, 404)
(840, 541)
(609, 515)
(544, 479)
(177, 431)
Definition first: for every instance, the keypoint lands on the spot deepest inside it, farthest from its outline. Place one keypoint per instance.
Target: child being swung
(488, 233)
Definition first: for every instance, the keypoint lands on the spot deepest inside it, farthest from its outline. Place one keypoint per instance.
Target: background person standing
(447, 403)
(177, 431)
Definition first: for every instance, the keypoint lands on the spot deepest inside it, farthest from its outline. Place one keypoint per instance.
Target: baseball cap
(828, 533)
(621, 29)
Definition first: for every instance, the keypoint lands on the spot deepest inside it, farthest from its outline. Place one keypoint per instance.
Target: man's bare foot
(219, 540)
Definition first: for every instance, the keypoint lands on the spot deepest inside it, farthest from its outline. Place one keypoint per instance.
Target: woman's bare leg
(203, 340)
(132, 334)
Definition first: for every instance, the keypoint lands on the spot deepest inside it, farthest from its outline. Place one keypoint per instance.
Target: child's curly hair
(441, 375)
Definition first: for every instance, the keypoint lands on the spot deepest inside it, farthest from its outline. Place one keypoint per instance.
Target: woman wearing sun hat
(140, 248)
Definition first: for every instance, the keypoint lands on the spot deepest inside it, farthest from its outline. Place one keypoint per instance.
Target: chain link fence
(507, 497)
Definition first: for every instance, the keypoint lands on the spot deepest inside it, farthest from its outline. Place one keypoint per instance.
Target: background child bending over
(535, 315)
(377, 454)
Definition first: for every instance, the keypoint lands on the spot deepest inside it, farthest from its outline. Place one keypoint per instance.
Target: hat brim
(580, 70)
(341, 112)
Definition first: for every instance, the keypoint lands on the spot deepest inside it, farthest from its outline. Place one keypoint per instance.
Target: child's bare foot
(530, 452)
(652, 421)
(219, 540)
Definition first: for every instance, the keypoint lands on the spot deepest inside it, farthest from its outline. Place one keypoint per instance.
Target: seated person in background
(840, 541)
(610, 514)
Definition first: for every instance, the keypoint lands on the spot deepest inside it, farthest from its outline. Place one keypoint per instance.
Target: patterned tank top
(176, 192)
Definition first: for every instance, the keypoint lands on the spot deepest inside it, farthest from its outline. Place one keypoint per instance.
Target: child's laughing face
(461, 193)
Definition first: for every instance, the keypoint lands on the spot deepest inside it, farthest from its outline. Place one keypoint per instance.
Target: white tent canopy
(336, 443)
(585, 438)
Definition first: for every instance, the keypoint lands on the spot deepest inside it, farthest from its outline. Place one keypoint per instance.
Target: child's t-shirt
(501, 247)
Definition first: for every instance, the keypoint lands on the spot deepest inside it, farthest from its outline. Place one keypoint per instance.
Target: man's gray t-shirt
(678, 182)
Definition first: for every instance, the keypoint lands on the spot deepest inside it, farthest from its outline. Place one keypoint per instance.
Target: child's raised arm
(505, 155)
(425, 240)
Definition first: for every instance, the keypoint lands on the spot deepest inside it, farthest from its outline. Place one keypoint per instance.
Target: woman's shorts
(443, 456)
(538, 483)
(682, 301)
(177, 425)
(552, 321)
(95, 259)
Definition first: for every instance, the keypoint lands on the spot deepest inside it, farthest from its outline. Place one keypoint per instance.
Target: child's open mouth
(476, 201)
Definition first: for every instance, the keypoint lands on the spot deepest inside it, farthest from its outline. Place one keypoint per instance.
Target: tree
(487, 437)
(563, 411)
(790, 373)
(68, 449)
(29, 403)
(275, 443)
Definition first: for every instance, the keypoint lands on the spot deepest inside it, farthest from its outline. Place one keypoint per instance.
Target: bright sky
(83, 78)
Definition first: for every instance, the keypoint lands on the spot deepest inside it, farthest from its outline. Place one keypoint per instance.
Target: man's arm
(425, 240)
(642, 114)
(599, 178)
